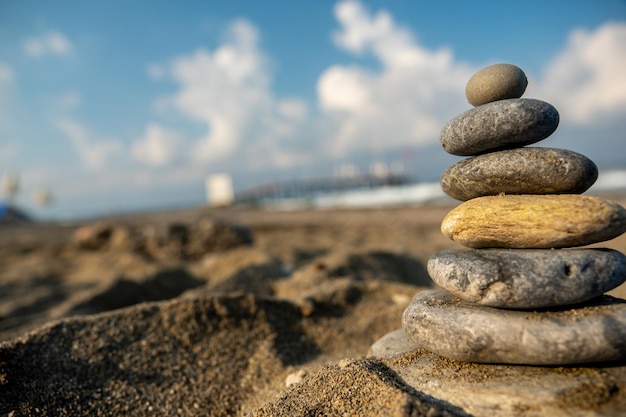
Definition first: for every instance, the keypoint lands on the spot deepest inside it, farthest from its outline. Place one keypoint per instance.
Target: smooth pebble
(528, 278)
(496, 82)
(531, 170)
(446, 325)
(534, 221)
(499, 125)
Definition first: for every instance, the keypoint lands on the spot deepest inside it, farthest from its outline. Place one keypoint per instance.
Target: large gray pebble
(528, 278)
(446, 325)
(499, 125)
(532, 170)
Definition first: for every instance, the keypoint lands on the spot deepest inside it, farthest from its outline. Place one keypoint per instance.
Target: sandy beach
(219, 312)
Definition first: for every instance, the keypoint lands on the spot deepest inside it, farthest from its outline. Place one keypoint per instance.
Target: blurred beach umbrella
(10, 185)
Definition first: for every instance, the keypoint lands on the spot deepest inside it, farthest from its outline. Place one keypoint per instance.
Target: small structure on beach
(219, 190)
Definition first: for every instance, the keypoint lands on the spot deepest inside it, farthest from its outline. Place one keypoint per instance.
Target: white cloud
(158, 147)
(405, 103)
(228, 90)
(50, 43)
(587, 79)
(360, 29)
(343, 88)
(225, 89)
(93, 153)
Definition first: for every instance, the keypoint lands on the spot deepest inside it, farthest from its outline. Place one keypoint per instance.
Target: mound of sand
(194, 355)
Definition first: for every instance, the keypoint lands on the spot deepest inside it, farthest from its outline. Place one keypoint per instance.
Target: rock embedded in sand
(392, 344)
(514, 390)
(468, 332)
(499, 125)
(534, 221)
(295, 377)
(520, 171)
(496, 82)
(523, 279)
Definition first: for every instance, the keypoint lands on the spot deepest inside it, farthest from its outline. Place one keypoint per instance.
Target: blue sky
(130, 105)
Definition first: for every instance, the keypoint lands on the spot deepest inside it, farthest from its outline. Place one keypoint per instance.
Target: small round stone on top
(496, 82)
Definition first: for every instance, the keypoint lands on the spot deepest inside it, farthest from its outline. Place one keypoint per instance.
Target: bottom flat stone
(514, 390)
(591, 332)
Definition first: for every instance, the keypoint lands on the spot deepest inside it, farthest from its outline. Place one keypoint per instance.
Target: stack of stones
(521, 295)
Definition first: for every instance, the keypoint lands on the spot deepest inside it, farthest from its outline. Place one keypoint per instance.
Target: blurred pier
(309, 189)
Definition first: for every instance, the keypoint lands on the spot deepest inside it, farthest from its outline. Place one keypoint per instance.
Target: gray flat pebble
(514, 390)
(446, 325)
(499, 125)
(528, 278)
(496, 82)
(533, 170)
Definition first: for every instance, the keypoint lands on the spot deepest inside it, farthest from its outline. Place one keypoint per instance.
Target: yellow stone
(534, 221)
